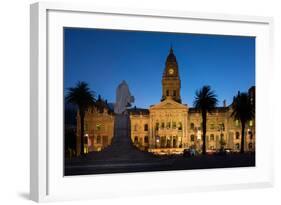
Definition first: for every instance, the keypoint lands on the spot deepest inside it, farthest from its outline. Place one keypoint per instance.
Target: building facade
(169, 127)
(98, 127)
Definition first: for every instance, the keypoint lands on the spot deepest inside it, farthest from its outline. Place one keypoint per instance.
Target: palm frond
(81, 95)
(242, 107)
(205, 99)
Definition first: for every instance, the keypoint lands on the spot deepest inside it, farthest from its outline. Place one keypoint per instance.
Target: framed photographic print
(151, 101)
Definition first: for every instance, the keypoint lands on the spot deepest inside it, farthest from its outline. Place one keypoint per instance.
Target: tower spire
(171, 48)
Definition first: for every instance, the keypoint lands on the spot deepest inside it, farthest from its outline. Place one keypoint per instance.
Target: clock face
(171, 71)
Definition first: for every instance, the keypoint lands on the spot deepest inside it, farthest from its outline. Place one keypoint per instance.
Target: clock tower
(171, 80)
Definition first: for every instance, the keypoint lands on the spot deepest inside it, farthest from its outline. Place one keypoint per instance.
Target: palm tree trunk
(204, 125)
(81, 133)
(242, 137)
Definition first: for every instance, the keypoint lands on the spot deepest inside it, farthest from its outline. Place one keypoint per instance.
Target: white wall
(14, 100)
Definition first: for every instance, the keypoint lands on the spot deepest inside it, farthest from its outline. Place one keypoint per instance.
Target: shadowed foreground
(86, 166)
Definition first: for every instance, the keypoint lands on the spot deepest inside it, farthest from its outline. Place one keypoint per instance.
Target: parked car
(189, 152)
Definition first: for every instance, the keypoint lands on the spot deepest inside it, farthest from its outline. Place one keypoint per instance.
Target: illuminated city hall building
(170, 126)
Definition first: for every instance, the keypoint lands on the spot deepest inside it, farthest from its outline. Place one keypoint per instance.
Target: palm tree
(244, 111)
(205, 101)
(81, 96)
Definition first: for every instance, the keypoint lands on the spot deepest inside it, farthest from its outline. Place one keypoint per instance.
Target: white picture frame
(47, 182)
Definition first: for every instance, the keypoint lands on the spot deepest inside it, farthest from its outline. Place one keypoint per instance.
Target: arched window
(192, 126)
(136, 139)
(212, 137)
(192, 138)
(98, 127)
(237, 135)
(250, 146)
(250, 135)
(180, 126)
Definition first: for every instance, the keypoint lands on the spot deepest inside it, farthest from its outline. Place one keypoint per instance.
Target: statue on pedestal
(123, 98)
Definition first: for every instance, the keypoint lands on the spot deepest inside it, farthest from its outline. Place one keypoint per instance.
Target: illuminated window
(98, 126)
(237, 123)
(251, 123)
(180, 126)
(192, 138)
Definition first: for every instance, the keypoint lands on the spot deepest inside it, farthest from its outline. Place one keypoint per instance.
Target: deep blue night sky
(103, 58)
